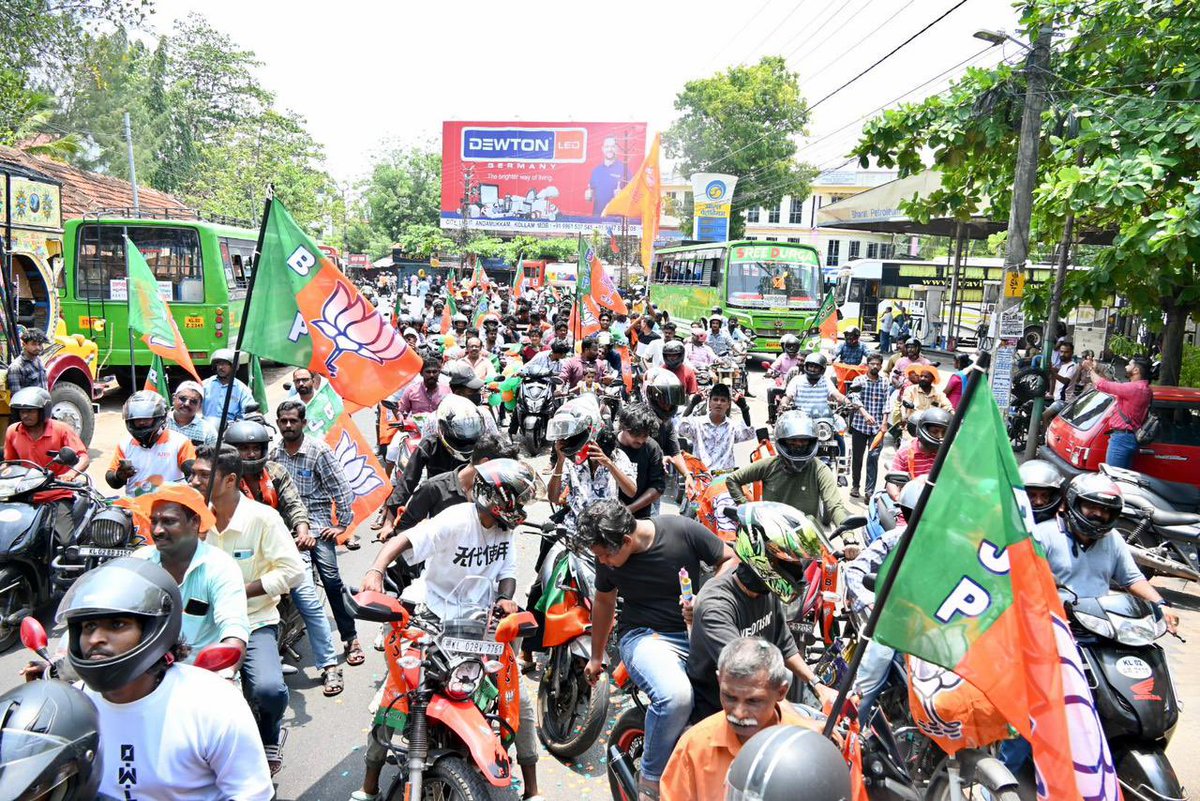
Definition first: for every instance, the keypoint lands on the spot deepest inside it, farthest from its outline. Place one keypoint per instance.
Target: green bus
(202, 268)
(772, 288)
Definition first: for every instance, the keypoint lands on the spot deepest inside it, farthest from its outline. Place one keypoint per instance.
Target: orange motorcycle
(452, 692)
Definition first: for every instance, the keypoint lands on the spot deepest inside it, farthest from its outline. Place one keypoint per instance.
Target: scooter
(1132, 687)
(535, 405)
(1160, 523)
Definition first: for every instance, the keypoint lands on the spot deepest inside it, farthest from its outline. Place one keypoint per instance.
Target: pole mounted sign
(712, 195)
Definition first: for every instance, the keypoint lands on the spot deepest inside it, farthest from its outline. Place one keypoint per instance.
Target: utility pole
(1017, 249)
(137, 207)
(464, 237)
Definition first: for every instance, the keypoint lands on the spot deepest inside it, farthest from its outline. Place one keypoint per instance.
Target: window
(1180, 424)
(872, 250)
(752, 238)
(773, 214)
(237, 255)
(796, 212)
(772, 239)
(1087, 410)
(887, 251)
(172, 253)
(752, 215)
(831, 258)
(686, 268)
(854, 246)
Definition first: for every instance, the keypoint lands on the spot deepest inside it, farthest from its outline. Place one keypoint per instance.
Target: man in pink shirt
(1133, 399)
(589, 356)
(422, 396)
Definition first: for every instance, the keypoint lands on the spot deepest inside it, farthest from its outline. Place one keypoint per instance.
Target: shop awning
(878, 210)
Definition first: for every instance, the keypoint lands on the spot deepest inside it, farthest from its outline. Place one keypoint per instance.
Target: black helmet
(503, 487)
(574, 424)
(664, 392)
(853, 332)
(49, 741)
(784, 763)
(672, 353)
(250, 432)
(795, 424)
(928, 419)
(775, 540)
(815, 364)
(459, 426)
(790, 344)
(125, 587)
(910, 494)
(31, 398)
(1097, 489)
(1040, 474)
(145, 416)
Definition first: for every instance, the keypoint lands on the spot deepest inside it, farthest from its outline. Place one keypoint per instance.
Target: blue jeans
(873, 675)
(1122, 447)
(885, 342)
(312, 609)
(325, 555)
(262, 682)
(657, 663)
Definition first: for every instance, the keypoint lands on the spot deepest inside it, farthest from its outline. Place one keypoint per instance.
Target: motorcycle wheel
(533, 441)
(628, 735)
(17, 594)
(448, 779)
(570, 712)
(993, 784)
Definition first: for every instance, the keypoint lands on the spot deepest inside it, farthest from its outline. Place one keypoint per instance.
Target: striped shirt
(321, 482)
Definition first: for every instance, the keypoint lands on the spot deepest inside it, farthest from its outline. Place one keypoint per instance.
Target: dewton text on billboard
(558, 145)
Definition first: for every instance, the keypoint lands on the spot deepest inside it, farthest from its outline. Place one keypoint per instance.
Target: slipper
(274, 753)
(354, 653)
(647, 791)
(334, 684)
(353, 544)
(359, 795)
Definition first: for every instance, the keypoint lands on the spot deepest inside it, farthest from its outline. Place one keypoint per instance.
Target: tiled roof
(84, 192)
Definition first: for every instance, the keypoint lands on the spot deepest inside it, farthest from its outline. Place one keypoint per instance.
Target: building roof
(86, 192)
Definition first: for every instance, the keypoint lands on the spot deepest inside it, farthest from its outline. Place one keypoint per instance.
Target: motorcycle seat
(1162, 517)
(1184, 497)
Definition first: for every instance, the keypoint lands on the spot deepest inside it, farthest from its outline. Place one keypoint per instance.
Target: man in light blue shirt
(216, 386)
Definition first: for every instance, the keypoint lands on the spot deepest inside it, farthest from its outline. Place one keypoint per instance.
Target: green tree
(1122, 151)
(422, 241)
(744, 122)
(404, 189)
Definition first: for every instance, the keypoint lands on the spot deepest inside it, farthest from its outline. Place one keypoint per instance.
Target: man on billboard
(608, 177)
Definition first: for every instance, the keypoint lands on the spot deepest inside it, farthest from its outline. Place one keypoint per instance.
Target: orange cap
(181, 494)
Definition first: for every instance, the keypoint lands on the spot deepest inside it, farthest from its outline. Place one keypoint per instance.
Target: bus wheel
(71, 405)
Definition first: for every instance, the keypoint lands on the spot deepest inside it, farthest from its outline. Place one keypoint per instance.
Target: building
(795, 219)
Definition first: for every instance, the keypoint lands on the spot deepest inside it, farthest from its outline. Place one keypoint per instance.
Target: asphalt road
(323, 754)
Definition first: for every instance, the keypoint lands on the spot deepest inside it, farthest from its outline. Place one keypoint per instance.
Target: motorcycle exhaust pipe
(1164, 565)
(622, 767)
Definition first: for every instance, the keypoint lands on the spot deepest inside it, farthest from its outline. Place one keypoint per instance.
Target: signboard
(1012, 324)
(118, 289)
(35, 204)
(712, 194)
(1002, 373)
(359, 260)
(1014, 285)
(537, 177)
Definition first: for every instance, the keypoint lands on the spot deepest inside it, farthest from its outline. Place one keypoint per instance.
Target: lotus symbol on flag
(362, 479)
(929, 681)
(354, 327)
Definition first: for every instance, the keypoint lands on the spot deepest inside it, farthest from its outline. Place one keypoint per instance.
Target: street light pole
(1024, 178)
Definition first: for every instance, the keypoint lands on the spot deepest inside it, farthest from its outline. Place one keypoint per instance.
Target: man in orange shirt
(37, 437)
(754, 682)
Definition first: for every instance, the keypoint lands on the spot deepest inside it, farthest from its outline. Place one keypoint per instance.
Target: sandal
(647, 791)
(354, 653)
(334, 684)
(274, 753)
(359, 795)
(354, 543)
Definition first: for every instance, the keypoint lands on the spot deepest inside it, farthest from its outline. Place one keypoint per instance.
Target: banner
(536, 177)
(712, 194)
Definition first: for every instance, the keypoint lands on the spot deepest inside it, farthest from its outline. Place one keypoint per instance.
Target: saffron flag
(518, 284)
(150, 315)
(450, 309)
(975, 595)
(642, 197)
(310, 315)
(327, 418)
(604, 291)
(156, 378)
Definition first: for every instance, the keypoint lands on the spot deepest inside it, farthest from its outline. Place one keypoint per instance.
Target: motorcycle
(830, 426)
(1132, 687)
(1027, 384)
(1159, 522)
(452, 692)
(406, 440)
(777, 395)
(536, 402)
(40, 557)
(570, 712)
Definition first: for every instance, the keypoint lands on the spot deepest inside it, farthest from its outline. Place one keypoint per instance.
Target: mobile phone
(584, 454)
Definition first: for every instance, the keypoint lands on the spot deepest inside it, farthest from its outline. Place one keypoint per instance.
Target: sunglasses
(187, 401)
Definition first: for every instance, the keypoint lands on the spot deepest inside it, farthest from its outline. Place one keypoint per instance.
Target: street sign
(1014, 285)
(1002, 371)
(1012, 324)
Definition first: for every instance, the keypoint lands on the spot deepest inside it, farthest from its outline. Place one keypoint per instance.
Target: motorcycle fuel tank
(19, 523)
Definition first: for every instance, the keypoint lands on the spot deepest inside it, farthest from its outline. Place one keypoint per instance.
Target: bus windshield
(773, 283)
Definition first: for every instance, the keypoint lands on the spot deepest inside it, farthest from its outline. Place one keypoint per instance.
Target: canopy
(878, 210)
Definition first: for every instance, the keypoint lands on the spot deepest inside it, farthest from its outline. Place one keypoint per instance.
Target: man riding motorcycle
(459, 423)
(151, 455)
(916, 457)
(35, 438)
(789, 359)
(1043, 484)
(811, 391)
(664, 395)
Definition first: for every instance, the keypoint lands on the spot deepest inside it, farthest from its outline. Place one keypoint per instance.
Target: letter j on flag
(307, 313)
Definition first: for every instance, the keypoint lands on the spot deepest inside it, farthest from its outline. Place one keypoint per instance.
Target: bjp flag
(642, 197)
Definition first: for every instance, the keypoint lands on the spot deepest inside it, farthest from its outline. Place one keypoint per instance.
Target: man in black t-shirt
(639, 425)
(643, 560)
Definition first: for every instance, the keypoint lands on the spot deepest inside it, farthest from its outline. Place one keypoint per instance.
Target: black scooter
(1132, 687)
(1160, 522)
(536, 403)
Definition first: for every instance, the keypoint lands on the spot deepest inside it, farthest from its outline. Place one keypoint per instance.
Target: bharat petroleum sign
(549, 145)
(712, 194)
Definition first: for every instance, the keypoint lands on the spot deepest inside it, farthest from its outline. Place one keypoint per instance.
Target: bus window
(856, 291)
(173, 255)
(714, 271)
(238, 256)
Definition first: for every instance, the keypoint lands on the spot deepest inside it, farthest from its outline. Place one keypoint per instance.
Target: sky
(366, 74)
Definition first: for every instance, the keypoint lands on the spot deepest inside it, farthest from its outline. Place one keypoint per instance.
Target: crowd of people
(240, 525)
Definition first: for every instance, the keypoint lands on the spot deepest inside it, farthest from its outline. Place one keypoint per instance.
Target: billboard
(712, 195)
(537, 177)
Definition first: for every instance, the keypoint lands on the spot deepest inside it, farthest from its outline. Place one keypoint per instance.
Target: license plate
(481, 647)
(105, 553)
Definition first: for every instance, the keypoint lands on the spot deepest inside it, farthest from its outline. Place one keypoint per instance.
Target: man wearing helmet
(916, 457)
(585, 471)
(460, 322)
(49, 741)
(218, 385)
(794, 477)
(787, 763)
(1044, 487)
(665, 393)
(167, 729)
(674, 360)
(151, 455)
(812, 390)
(720, 342)
(754, 683)
(789, 359)
(773, 543)
(468, 539)
(1085, 554)
(186, 417)
(36, 437)
(446, 445)
(909, 356)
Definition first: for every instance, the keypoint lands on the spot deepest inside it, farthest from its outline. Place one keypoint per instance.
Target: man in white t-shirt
(151, 455)
(469, 539)
(167, 730)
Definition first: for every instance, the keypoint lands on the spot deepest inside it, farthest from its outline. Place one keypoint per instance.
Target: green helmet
(773, 539)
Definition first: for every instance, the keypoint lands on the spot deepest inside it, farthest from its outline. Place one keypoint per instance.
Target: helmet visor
(113, 593)
(27, 762)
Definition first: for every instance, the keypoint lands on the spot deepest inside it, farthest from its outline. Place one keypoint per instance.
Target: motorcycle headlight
(1096, 625)
(1140, 631)
(110, 529)
(463, 679)
(824, 430)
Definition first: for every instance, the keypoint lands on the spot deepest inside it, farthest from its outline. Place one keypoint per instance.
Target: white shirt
(454, 545)
(192, 739)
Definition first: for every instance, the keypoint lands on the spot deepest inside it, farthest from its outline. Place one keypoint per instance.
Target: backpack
(1151, 427)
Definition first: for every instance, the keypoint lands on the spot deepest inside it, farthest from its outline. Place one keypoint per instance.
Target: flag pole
(237, 348)
(885, 586)
(578, 283)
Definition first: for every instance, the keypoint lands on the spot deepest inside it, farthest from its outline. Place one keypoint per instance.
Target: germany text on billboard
(537, 177)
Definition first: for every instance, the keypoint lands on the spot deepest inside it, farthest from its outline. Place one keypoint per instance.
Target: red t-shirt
(914, 460)
(687, 376)
(55, 436)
